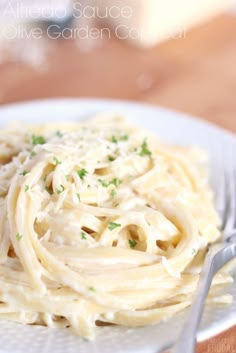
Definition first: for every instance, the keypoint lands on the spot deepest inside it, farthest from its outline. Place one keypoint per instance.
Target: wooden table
(195, 74)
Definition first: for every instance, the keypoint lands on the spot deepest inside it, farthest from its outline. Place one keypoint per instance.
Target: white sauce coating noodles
(100, 222)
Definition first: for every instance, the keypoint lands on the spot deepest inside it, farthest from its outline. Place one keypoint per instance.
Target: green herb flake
(32, 154)
(124, 138)
(113, 226)
(113, 193)
(194, 251)
(82, 173)
(38, 140)
(56, 161)
(103, 183)
(26, 188)
(114, 139)
(59, 134)
(116, 182)
(111, 159)
(19, 236)
(132, 243)
(78, 196)
(83, 235)
(25, 172)
(144, 150)
(91, 289)
(59, 191)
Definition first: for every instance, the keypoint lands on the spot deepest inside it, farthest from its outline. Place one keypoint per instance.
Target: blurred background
(179, 54)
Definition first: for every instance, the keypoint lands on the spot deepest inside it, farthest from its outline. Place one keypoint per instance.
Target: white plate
(173, 127)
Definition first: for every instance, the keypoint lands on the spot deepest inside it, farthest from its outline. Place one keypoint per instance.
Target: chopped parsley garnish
(91, 289)
(116, 182)
(78, 196)
(124, 138)
(113, 193)
(38, 140)
(132, 243)
(32, 154)
(26, 188)
(59, 134)
(111, 159)
(144, 150)
(103, 183)
(24, 172)
(59, 191)
(19, 236)
(56, 161)
(114, 139)
(113, 226)
(82, 173)
(83, 235)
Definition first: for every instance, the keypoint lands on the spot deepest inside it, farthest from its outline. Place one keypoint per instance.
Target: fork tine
(220, 195)
(231, 199)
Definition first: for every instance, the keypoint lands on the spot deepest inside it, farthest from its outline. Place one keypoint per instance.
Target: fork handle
(217, 257)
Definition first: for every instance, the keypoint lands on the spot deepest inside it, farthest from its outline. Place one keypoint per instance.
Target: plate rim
(111, 101)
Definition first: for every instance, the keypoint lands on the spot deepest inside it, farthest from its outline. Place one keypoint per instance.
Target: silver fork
(218, 255)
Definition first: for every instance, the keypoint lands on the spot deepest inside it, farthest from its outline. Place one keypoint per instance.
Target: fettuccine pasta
(100, 222)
